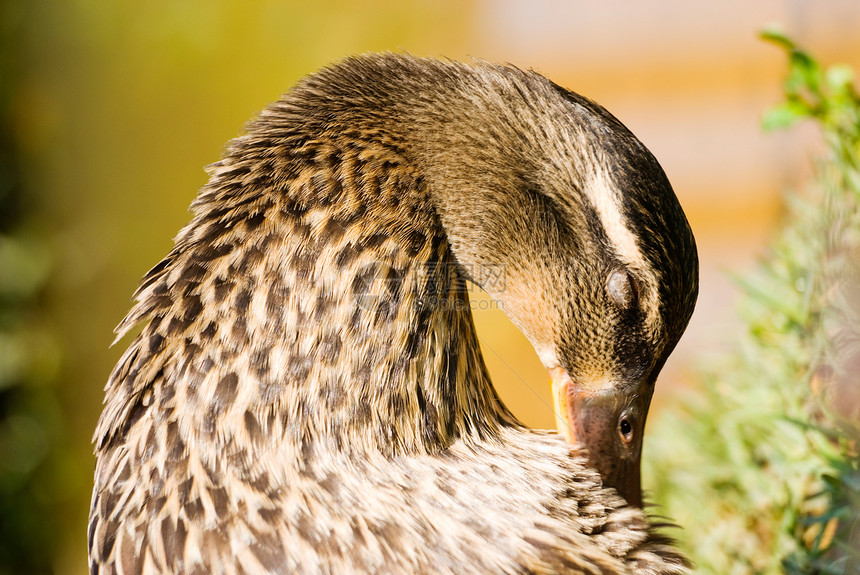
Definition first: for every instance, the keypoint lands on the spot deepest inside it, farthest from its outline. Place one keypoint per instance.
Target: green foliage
(760, 464)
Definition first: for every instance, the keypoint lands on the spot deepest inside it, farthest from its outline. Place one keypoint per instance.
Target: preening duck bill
(608, 423)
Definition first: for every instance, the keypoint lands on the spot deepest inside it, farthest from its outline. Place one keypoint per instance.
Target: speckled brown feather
(308, 395)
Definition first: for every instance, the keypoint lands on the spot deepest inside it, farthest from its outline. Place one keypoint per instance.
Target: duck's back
(519, 504)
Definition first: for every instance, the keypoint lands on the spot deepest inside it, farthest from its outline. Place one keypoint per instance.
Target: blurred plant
(29, 409)
(760, 465)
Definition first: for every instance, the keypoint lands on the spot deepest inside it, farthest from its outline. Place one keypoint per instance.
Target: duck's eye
(622, 288)
(625, 428)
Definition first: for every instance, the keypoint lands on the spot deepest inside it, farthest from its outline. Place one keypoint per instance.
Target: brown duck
(307, 394)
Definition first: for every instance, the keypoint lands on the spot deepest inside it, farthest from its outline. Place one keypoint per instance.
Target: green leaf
(783, 116)
(773, 33)
(840, 78)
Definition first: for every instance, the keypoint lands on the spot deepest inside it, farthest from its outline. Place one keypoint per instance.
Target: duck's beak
(592, 417)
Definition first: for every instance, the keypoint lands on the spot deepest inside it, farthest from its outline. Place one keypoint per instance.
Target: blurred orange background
(119, 105)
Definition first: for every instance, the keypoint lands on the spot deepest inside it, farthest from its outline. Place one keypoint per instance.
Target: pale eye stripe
(607, 204)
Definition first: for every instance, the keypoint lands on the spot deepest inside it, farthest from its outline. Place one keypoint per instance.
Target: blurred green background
(110, 109)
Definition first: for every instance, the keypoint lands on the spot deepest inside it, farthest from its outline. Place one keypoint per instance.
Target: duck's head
(569, 222)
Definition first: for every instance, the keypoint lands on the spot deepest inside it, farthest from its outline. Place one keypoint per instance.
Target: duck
(307, 392)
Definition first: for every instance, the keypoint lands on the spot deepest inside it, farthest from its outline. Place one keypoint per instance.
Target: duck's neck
(315, 299)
